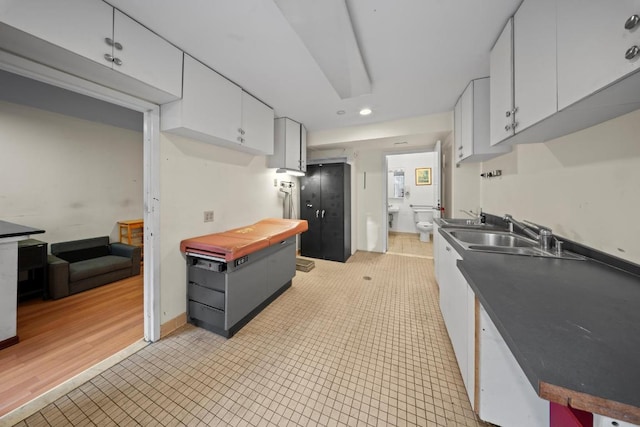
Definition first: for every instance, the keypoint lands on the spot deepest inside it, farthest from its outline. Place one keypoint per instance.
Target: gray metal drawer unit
(224, 296)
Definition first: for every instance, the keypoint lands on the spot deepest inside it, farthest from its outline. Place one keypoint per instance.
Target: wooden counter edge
(586, 402)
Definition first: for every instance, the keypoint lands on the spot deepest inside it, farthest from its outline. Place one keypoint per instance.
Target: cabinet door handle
(322, 213)
(507, 113)
(108, 57)
(632, 52)
(631, 22)
(507, 128)
(109, 41)
(460, 148)
(448, 248)
(241, 131)
(117, 45)
(117, 61)
(460, 155)
(240, 139)
(317, 212)
(515, 125)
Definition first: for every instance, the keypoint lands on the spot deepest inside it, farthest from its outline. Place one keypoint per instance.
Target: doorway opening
(412, 198)
(142, 289)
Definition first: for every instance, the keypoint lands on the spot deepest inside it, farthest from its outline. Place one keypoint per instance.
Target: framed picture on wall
(423, 176)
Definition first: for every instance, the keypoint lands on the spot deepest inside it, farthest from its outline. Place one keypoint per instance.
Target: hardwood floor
(59, 339)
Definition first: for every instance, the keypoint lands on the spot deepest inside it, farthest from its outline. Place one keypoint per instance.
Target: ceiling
(419, 54)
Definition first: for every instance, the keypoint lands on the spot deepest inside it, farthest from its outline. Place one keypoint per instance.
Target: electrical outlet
(208, 216)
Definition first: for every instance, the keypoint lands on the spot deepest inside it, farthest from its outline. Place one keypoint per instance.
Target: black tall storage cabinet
(325, 202)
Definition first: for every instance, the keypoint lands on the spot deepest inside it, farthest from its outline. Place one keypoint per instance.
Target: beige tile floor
(355, 344)
(408, 244)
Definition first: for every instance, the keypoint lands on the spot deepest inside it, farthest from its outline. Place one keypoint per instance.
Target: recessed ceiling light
(340, 112)
(365, 111)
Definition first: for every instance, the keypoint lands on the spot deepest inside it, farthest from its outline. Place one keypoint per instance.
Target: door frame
(151, 168)
(385, 187)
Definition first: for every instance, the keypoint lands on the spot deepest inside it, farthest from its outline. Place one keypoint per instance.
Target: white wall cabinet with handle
(257, 125)
(290, 151)
(91, 39)
(595, 47)
(534, 63)
(574, 65)
(501, 91)
(215, 110)
(471, 124)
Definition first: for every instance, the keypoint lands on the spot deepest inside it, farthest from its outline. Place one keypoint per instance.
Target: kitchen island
(570, 324)
(10, 235)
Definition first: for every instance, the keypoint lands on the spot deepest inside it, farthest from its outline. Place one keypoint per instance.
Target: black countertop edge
(9, 229)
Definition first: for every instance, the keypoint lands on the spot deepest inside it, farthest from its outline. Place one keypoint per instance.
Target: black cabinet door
(325, 204)
(332, 213)
(310, 209)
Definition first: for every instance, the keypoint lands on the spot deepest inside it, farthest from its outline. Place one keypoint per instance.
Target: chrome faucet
(478, 218)
(543, 236)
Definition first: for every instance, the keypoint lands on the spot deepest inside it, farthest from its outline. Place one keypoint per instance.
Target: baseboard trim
(9, 342)
(171, 325)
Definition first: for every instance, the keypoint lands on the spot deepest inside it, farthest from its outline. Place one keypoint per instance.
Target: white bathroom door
(437, 174)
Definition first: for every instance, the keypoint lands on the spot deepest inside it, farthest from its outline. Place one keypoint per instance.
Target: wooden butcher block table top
(232, 244)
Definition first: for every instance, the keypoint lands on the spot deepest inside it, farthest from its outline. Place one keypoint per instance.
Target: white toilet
(424, 222)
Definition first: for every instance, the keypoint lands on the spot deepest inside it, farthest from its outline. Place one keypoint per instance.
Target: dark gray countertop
(571, 324)
(9, 229)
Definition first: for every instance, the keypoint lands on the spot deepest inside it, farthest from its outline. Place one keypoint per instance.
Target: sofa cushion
(93, 267)
(84, 254)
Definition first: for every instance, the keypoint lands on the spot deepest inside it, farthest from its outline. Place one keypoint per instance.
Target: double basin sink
(487, 238)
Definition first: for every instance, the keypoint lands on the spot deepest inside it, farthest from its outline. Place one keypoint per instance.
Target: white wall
(71, 177)
(194, 177)
(403, 221)
(370, 202)
(585, 186)
(461, 183)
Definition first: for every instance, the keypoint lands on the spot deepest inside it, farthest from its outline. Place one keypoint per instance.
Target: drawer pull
(632, 52)
(632, 22)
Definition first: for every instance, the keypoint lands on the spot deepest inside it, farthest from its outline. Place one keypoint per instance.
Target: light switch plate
(208, 216)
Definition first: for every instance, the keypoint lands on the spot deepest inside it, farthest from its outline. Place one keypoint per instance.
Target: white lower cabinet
(506, 396)
(602, 421)
(457, 302)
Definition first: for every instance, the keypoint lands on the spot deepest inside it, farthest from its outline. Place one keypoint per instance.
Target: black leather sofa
(79, 265)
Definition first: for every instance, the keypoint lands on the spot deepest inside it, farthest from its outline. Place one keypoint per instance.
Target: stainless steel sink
(492, 238)
(503, 242)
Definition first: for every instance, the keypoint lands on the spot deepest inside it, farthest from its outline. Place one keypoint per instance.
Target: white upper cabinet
(501, 98)
(89, 38)
(79, 26)
(290, 151)
(257, 124)
(214, 109)
(595, 48)
(471, 124)
(146, 56)
(534, 56)
(209, 108)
